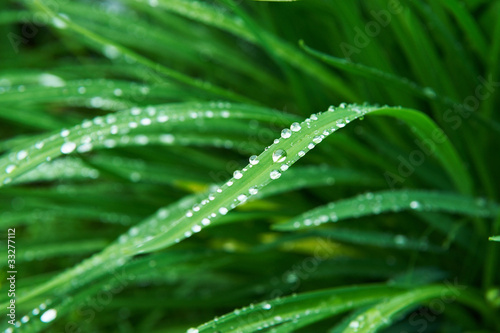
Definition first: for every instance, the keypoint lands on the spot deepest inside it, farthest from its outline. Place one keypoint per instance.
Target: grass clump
(223, 166)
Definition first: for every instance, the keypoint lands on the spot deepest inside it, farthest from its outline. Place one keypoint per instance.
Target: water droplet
(414, 204)
(400, 239)
(354, 325)
(196, 228)
(275, 174)
(286, 133)
(10, 168)
(317, 139)
(311, 145)
(242, 197)
(189, 213)
(253, 190)
(111, 51)
(223, 210)
(145, 121)
(205, 222)
(301, 153)
(429, 92)
(279, 156)
(192, 330)
(167, 138)
(68, 147)
(153, 3)
(64, 133)
(48, 316)
(284, 167)
(133, 231)
(253, 159)
(58, 23)
(295, 127)
(237, 174)
(50, 80)
(266, 306)
(162, 118)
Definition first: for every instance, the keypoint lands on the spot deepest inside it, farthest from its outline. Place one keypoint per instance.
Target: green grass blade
(318, 305)
(392, 201)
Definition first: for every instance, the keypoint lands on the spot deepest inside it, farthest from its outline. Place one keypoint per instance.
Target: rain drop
(68, 147)
(253, 159)
(223, 210)
(237, 174)
(317, 139)
(295, 127)
(286, 133)
(48, 316)
(275, 174)
(279, 156)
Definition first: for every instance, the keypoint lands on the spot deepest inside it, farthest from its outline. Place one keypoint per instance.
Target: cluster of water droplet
(108, 132)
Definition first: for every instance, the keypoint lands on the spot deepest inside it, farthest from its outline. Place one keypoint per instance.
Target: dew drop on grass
(25, 319)
(68, 147)
(10, 168)
(253, 190)
(275, 174)
(133, 231)
(317, 139)
(266, 306)
(354, 325)
(223, 210)
(48, 316)
(145, 121)
(284, 167)
(237, 174)
(414, 204)
(295, 127)
(58, 23)
(192, 330)
(242, 197)
(400, 240)
(301, 153)
(205, 222)
(196, 228)
(286, 133)
(279, 156)
(111, 51)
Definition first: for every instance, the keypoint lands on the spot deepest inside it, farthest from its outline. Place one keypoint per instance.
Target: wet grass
(223, 166)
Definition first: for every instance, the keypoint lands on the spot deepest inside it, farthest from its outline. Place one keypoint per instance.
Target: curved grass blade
(386, 312)
(116, 129)
(315, 305)
(392, 201)
(377, 75)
